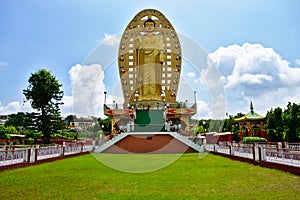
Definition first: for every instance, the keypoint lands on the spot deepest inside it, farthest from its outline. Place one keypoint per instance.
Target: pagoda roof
(251, 115)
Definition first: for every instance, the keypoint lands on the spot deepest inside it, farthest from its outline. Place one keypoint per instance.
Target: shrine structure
(149, 65)
(251, 125)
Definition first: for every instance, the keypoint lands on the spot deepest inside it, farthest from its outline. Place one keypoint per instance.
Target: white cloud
(203, 110)
(87, 91)
(298, 61)
(111, 39)
(253, 72)
(14, 107)
(67, 107)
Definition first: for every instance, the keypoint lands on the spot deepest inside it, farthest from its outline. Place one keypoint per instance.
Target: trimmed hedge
(253, 139)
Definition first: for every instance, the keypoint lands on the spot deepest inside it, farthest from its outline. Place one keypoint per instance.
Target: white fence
(10, 155)
(13, 157)
(281, 153)
(282, 156)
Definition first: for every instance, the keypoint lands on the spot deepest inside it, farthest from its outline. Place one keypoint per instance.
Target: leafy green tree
(12, 130)
(216, 125)
(105, 125)
(291, 120)
(238, 115)
(3, 132)
(270, 121)
(18, 120)
(200, 129)
(45, 95)
(203, 126)
(70, 118)
(278, 123)
(6, 131)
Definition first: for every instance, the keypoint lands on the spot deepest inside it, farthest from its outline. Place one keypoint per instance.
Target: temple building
(251, 125)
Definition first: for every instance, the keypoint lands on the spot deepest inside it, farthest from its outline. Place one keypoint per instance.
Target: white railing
(222, 149)
(9, 157)
(71, 149)
(282, 156)
(13, 155)
(48, 152)
(241, 151)
(261, 152)
(293, 146)
(209, 147)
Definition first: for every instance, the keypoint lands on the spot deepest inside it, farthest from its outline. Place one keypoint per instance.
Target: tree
(105, 125)
(278, 123)
(270, 125)
(44, 95)
(3, 132)
(6, 131)
(291, 120)
(70, 119)
(18, 120)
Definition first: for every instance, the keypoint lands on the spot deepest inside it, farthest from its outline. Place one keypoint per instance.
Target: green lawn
(189, 177)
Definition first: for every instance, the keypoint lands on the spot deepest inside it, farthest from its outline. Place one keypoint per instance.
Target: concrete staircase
(175, 135)
(110, 142)
(187, 141)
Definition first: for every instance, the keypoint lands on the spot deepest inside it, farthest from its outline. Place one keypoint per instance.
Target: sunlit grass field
(189, 177)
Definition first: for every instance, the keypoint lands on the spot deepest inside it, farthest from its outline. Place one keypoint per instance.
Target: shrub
(30, 141)
(253, 139)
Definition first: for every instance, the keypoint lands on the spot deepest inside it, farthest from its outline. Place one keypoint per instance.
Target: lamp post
(136, 95)
(102, 126)
(105, 97)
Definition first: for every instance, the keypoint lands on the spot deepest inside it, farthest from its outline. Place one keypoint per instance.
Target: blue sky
(59, 34)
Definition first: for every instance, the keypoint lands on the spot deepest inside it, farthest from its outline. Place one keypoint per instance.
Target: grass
(189, 177)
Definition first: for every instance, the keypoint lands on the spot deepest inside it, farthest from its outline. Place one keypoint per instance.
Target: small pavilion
(251, 125)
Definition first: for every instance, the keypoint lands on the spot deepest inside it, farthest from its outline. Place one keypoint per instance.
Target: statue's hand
(162, 57)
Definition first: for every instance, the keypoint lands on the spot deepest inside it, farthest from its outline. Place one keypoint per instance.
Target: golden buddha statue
(150, 56)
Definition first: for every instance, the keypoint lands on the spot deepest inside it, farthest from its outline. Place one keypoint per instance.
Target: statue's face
(149, 26)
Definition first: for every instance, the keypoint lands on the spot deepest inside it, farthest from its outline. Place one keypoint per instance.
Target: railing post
(81, 146)
(94, 145)
(63, 151)
(6, 152)
(283, 145)
(260, 154)
(28, 155)
(36, 154)
(253, 151)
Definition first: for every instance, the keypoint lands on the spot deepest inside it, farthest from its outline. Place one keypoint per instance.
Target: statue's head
(149, 25)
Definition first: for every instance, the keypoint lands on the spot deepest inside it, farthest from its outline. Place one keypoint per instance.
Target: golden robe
(150, 58)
